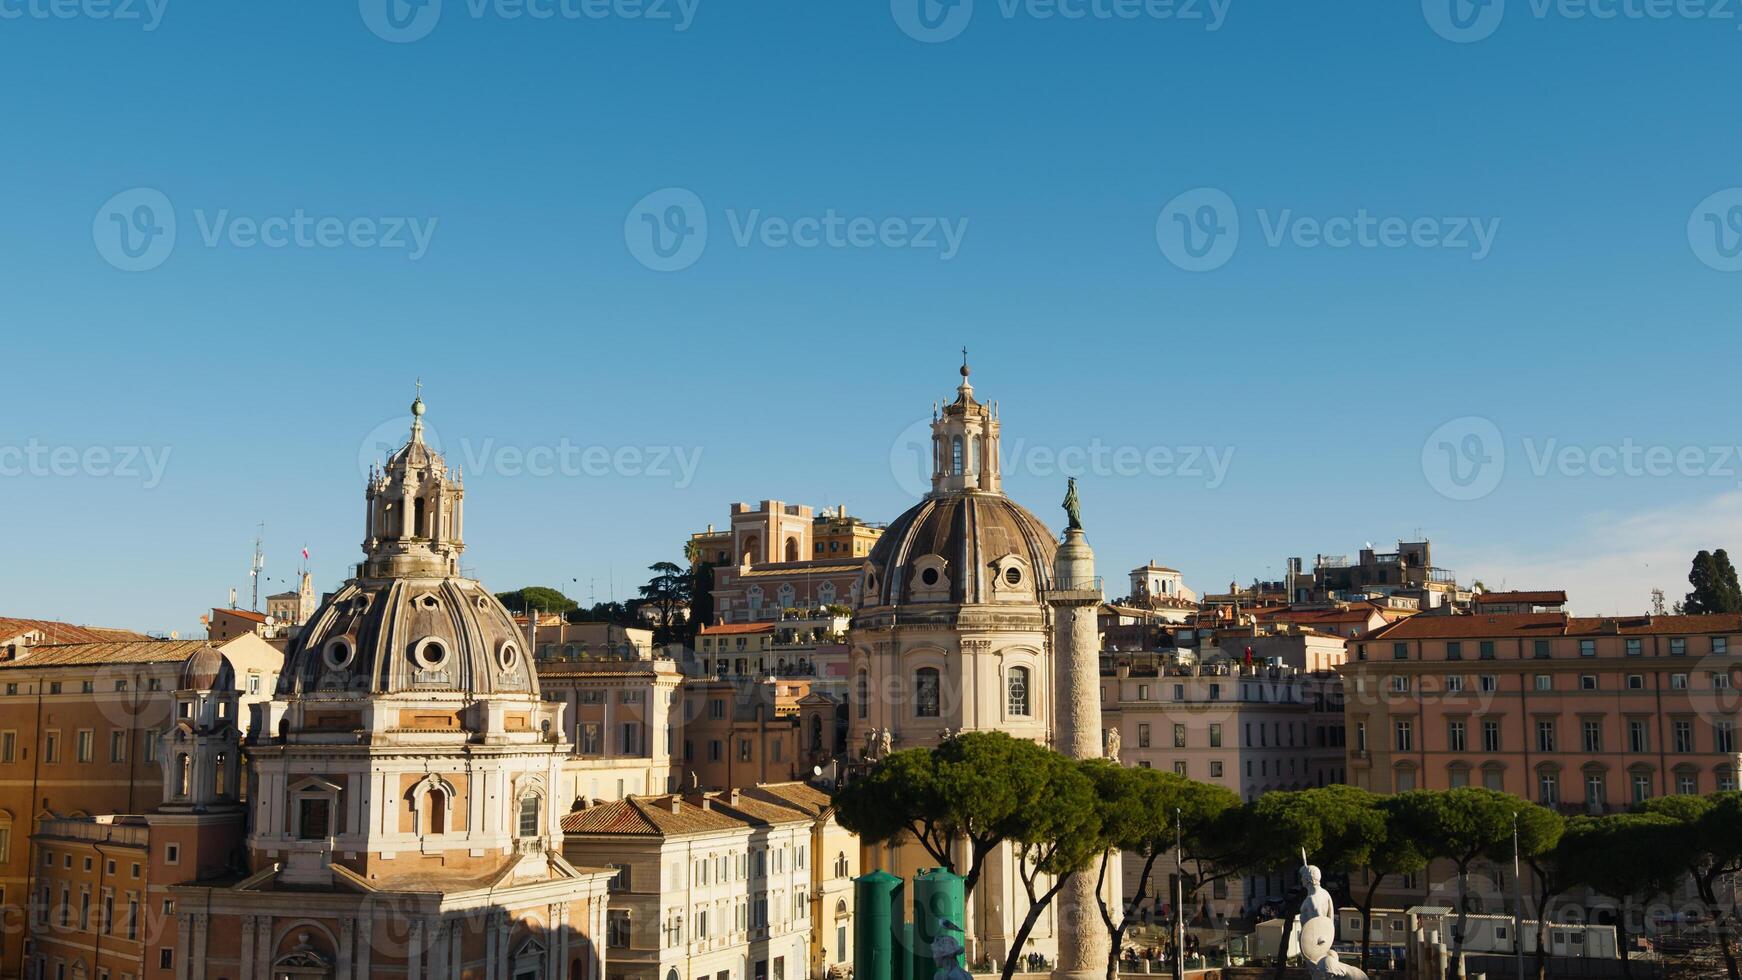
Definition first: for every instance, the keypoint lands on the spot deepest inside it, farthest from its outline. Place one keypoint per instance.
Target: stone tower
(1075, 598)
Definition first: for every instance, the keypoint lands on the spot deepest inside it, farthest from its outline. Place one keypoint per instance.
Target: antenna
(259, 563)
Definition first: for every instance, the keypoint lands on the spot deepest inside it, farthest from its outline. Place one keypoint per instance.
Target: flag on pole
(305, 553)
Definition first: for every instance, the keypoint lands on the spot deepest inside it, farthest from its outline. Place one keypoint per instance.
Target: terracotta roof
(1485, 626)
(113, 652)
(752, 810)
(63, 632)
(784, 569)
(648, 816)
(1354, 614)
(729, 628)
(258, 617)
(1540, 598)
(800, 796)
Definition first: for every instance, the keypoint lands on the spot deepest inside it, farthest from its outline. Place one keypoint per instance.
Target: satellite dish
(816, 770)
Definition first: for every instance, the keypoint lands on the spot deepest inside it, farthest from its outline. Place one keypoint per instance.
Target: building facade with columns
(971, 618)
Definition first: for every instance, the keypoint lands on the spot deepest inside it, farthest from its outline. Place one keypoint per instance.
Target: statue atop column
(1073, 507)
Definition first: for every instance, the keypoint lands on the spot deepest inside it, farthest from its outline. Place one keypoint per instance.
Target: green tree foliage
(1459, 825)
(1621, 856)
(1337, 828)
(667, 593)
(1057, 832)
(974, 787)
(536, 597)
(1540, 832)
(1715, 586)
(1708, 843)
(1138, 815)
(1397, 854)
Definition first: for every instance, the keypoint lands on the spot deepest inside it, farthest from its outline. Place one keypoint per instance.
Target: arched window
(956, 455)
(435, 804)
(1016, 686)
(184, 780)
(974, 455)
(927, 692)
(816, 733)
(751, 545)
(529, 816)
(418, 508)
(218, 773)
(862, 694)
(841, 866)
(792, 549)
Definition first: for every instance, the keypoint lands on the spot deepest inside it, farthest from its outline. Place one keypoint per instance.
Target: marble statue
(1110, 738)
(1317, 923)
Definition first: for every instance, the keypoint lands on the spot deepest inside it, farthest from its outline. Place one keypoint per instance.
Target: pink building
(778, 556)
(1590, 714)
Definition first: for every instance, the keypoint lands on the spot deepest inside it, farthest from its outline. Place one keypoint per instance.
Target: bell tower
(965, 443)
(201, 751)
(414, 513)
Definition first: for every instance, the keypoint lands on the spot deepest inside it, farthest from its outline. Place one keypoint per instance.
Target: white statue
(1110, 741)
(885, 743)
(1317, 923)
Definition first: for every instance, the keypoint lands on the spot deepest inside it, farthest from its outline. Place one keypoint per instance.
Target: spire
(965, 391)
(417, 414)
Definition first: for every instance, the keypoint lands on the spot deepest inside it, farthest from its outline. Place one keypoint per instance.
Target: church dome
(409, 623)
(413, 634)
(961, 548)
(206, 670)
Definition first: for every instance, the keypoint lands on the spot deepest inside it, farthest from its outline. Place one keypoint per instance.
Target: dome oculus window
(338, 653)
(430, 653)
(929, 576)
(507, 655)
(1013, 575)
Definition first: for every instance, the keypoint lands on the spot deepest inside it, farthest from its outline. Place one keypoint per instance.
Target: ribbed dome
(969, 547)
(206, 670)
(425, 635)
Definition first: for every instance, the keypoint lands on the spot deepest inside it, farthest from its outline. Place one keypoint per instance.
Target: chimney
(677, 804)
(734, 796)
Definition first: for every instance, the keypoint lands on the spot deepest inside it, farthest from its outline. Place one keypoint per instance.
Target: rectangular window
(1720, 681)
(1454, 683)
(1636, 682)
(1724, 736)
(631, 738)
(51, 747)
(1539, 649)
(1216, 768)
(1544, 682)
(1179, 768)
(1400, 651)
(1457, 776)
(1720, 644)
(1454, 650)
(1490, 736)
(1634, 647)
(927, 692)
(1360, 738)
(1594, 792)
(1455, 736)
(1486, 649)
(118, 745)
(1587, 682)
(1545, 736)
(1678, 682)
(744, 750)
(1678, 646)
(1587, 648)
(314, 813)
(1490, 683)
(1687, 785)
(1399, 684)
(1683, 732)
(8, 746)
(1142, 736)
(1641, 787)
(1215, 735)
(1638, 736)
(1592, 735)
(1179, 692)
(617, 928)
(529, 827)
(86, 746)
(1403, 736)
(1179, 736)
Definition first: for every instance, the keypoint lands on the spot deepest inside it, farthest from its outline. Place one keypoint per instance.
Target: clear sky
(753, 236)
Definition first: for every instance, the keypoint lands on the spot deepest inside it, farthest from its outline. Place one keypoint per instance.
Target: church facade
(404, 782)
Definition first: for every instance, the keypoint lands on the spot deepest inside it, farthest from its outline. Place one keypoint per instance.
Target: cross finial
(420, 386)
(964, 363)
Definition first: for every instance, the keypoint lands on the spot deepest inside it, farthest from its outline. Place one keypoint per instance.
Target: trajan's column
(1076, 599)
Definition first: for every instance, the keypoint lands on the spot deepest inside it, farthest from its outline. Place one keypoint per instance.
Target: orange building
(1587, 714)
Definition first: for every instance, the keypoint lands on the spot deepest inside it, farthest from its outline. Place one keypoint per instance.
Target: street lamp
(1517, 903)
(1179, 900)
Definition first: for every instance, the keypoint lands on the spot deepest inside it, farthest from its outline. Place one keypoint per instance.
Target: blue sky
(528, 153)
